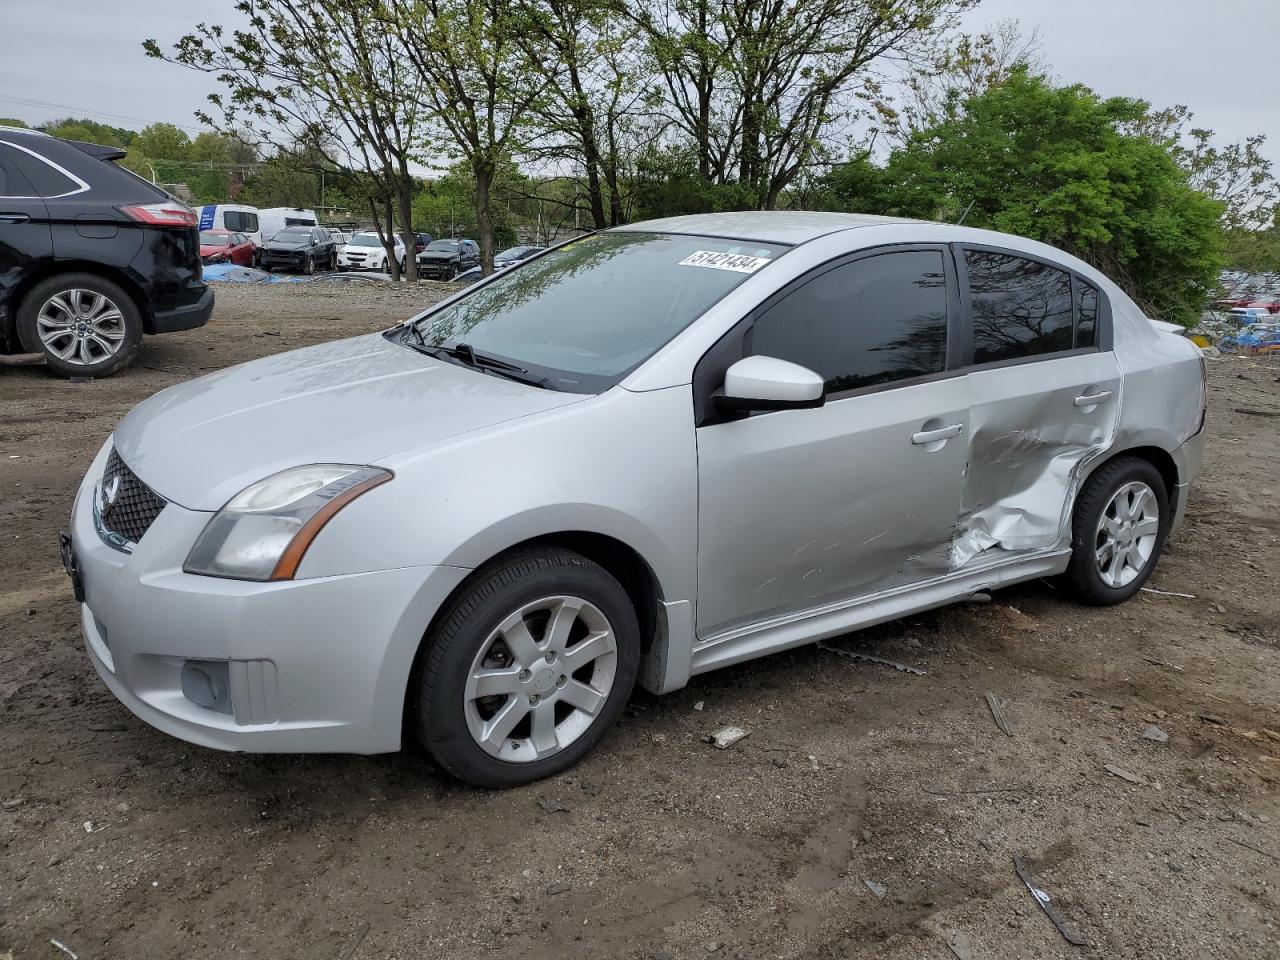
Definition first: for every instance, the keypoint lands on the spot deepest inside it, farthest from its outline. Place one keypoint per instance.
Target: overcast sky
(83, 57)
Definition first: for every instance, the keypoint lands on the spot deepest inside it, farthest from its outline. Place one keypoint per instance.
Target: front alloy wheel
(527, 669)
(540, 679)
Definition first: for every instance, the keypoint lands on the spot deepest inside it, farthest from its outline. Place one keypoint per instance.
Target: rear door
(799, 508)
(25, 238)
(1045, 398)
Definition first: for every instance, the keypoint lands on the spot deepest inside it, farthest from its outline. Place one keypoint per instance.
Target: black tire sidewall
(468, 622)
(1098, 490)
(29, 310)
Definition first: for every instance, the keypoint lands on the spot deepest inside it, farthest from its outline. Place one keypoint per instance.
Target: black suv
(300, 248)
(91, 256)
(445, 259)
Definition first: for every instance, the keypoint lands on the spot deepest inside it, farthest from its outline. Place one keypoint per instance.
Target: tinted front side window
(871, 321)
(1020, 308)
(239, 220)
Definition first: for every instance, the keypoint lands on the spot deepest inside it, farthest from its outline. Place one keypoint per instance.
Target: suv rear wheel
(85, 325)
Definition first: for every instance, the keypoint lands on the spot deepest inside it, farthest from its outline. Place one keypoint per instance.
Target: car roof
(765, 226)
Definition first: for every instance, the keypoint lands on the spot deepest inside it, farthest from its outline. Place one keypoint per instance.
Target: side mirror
(767, 383)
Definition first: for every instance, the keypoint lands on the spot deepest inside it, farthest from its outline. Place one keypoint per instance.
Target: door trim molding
(832, 619)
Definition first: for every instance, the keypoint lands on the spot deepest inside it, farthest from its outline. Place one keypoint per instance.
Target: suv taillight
(171, 213)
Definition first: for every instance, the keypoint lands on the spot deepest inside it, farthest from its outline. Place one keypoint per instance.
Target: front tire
(85, 325)
(309, 266)
(528, 669)
(1118, 531)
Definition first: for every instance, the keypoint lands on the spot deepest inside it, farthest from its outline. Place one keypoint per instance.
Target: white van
(232, 217)
(274, 219)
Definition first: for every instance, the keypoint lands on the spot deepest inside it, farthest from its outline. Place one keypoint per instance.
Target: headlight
(264, 530)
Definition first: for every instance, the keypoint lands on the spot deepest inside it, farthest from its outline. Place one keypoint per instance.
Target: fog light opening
(206, 683)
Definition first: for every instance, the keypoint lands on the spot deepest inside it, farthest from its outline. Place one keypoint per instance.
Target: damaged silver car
(637, 457)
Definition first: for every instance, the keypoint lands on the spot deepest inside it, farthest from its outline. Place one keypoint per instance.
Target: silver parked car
(649, 453)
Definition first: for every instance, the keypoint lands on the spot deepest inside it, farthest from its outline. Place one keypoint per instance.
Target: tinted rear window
(1020, 307)
(241, 221)
(44, 179)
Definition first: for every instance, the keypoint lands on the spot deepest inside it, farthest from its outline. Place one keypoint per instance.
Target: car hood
(287, 244)
(355, 401)
(208, 251)
(438, 255)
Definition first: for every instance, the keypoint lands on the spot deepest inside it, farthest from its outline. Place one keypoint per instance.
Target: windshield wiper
(465, 354)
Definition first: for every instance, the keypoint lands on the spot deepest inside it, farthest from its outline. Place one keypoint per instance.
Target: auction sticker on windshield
(737, 262)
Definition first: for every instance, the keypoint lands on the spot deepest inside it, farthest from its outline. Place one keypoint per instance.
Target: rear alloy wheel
(1118, 530)
(528, 669)
(85, 325)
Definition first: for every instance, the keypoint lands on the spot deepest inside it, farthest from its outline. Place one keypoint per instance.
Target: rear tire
(558, 691)
(1118, 529)
(84, 324)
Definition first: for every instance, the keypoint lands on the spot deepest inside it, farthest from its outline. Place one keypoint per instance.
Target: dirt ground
(120, 842)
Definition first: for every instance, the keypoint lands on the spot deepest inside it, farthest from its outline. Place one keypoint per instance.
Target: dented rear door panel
(1033, 432)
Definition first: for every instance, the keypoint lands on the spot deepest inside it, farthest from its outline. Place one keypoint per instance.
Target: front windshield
(443, 245)
(586, 314)
(361, 240)
(293, 233)
(210, 239)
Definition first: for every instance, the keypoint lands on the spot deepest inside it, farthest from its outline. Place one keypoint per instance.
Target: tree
(89, 131)
(162, 141)
(324, 73)
(1237, 174)
(764, 87)
(1056, 164)
(483, 78)
(956, 69)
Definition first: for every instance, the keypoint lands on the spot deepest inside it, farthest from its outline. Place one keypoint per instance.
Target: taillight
(171, 213)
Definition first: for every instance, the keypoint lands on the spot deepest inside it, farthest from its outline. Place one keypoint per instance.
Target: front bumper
(316, 665)
(283, 261)
(437, 268)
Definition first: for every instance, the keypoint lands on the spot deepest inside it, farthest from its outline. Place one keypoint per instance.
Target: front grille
(126, 506)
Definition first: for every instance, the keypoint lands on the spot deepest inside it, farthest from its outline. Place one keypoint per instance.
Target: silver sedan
(635, 458)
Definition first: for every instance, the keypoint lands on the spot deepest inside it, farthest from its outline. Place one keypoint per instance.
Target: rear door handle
(14, 218)
(1093, 399)
(942, 433)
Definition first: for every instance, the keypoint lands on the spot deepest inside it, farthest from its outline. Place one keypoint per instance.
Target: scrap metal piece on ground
(1123, 774)
(958, 943)
(997, 712)
(1046, 904)
(879, 889)
(854, 655)
(1248, 846)
(1168, 593)
(726, 737)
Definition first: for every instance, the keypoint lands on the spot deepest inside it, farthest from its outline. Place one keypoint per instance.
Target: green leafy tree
(89, 131)
(162, 141)
(482, 67)
(12, 122)
(326, 73)
(1055, 164)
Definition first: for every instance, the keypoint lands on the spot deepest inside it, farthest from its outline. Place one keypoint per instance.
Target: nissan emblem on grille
(126, 506)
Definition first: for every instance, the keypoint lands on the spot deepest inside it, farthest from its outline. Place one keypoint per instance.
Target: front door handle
(933, 436)
(1093, 399)
(14, 218)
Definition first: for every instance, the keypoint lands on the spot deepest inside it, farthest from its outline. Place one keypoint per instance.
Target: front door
(800, 508)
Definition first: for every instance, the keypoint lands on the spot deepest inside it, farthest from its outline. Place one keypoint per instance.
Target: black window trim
(1102, 339)
(80, 188)
(736, 342)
